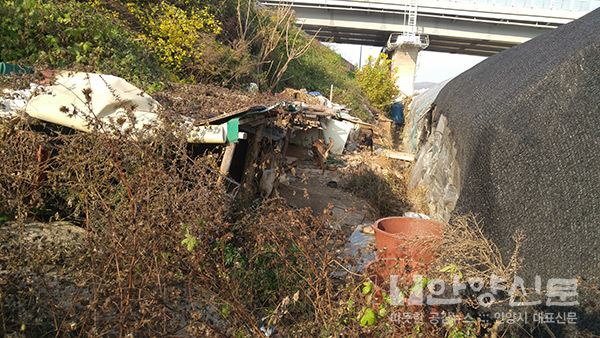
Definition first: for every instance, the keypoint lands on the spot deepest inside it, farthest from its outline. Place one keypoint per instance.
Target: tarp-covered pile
(518, 139)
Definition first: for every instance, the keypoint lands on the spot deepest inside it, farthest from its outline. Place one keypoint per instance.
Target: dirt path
(312, 188)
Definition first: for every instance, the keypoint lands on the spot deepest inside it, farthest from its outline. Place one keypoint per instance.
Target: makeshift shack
(253, 140)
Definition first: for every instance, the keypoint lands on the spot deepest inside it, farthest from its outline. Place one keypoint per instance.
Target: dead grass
(203, 101)
(166, 251)
(418, 199)
(465, 246)
(385, 193)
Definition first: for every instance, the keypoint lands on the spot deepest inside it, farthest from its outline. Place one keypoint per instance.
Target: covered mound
(518, 144)
(516, 141)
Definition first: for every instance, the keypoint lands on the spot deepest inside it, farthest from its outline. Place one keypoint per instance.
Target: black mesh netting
(526, 125)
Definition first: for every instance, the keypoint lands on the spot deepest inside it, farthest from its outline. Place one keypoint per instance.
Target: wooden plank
(398, 155)
(226, 162)
(247, 186)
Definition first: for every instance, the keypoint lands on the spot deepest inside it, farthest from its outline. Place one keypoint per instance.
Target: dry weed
(165, 250)
(465, 246)
(385, 193)
(418, 199)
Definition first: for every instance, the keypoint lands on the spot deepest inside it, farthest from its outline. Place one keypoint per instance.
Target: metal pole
(360, 58)
(331, 94)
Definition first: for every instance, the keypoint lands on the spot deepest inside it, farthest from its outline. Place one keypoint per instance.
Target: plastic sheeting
(437, 170)
(88, 101)
(109, 99)
(397, 112)
(415, 117)
(337, 131)
(9, 68)
(13, 102)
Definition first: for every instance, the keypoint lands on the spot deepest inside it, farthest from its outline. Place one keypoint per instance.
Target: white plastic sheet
(83, 101)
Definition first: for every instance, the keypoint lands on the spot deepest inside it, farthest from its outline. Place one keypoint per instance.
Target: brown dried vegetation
(206, 101)
(164, 250)
(385, 192)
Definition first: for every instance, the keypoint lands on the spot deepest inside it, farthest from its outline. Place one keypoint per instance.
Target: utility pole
(360, 58)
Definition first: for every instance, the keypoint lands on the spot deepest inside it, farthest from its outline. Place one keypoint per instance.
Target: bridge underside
(451, 34)
(437, 43)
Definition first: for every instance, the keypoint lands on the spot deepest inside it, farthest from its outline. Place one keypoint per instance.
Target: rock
(252, 87)
(368, 229)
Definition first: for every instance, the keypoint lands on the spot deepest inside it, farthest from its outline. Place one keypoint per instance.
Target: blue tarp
(397, 113)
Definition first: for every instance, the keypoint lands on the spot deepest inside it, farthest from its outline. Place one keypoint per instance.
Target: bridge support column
(404, 63)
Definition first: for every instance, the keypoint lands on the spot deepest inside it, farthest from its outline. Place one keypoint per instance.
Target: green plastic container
(9, 68)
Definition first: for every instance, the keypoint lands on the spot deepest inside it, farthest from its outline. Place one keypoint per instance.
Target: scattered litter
(252, 87)
(351, 147)
(416, 215)
(361, 247)
(399, 155)
(14, 101)
(368, 229)
(10, 68)
(268, 331)
(290, 94)
(267, 181)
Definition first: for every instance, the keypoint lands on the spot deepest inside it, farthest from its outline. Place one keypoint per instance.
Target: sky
(431, 66)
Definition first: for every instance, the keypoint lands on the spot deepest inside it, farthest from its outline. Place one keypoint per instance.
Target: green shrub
(175, 34)
(183, 35)
(149, 42)
(74, 35)
(321, 67)
(377, 80)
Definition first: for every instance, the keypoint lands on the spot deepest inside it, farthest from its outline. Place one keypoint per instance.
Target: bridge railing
(397, 39)
(563, 5)
(559, 5)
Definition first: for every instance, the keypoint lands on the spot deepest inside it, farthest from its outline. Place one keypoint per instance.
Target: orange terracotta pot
(407, 245)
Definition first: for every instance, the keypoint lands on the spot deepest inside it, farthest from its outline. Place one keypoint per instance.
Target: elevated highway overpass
(476, 27)
(472, 27)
